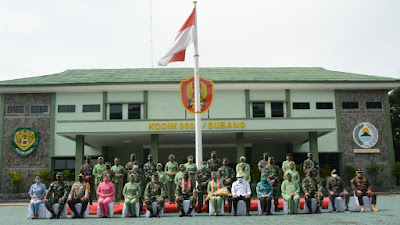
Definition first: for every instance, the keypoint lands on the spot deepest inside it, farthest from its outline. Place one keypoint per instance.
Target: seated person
(37, 193)
(79, 194)
(264, 194)
(292, 170)
(213, 185)
(312, 189)
(131, 192)
(57, 193)
(185, 190)
(105, 191)
(241, 191)
(290, 191)
(362, 187)
(335, 188)
(155, 191)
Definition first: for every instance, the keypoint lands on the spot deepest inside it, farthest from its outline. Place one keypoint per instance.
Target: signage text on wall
(214, 125)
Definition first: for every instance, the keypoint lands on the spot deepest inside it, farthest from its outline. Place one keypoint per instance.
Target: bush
(325, 171)
(255, 173)
(44, 176)
(15, 177)
(349, 173)
(374, 170)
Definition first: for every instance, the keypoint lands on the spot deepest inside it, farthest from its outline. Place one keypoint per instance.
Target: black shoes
(247, 213)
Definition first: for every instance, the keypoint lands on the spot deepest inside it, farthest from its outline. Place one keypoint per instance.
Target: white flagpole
(198, 139)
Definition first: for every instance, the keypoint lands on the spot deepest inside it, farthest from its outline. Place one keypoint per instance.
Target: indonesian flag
(182, 41)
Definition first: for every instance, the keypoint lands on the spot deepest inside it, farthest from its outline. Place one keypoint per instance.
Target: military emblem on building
(365, 135)
(25, 140)
(206, 94)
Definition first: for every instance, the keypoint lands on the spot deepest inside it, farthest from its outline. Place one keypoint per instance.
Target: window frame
(67, 107)
(112, 116)
(16, 109)
(380, 103)
(319, 104)
(91, 108)
(257, 115)
(272, 110)
(350, 106)
(296, 104)
(130, 117)
(40, 109)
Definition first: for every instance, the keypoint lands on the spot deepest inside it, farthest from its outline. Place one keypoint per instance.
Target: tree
(394, 101)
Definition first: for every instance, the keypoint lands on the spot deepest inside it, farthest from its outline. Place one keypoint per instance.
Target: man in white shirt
(241, 191)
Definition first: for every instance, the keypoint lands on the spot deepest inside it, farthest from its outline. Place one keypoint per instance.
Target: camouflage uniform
(186, 194)
(274, 170)
(153, 191)
(149, 169)
(87, 170)
(312, 185)
(261, 165)
(310, 164)
(202, 175)
(228, 174)
(213, 164)
(57, 190)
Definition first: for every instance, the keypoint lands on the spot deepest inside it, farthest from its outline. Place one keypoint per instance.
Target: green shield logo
(24, 141)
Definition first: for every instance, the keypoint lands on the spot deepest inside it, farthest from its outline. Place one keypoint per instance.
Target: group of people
(215, 182)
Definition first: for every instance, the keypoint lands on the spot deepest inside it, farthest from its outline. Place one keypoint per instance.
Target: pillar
(313, 139)
(154, 147)
(239, 146)
(79, 153)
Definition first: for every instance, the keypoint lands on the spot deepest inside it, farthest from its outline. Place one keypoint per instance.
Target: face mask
(58, 178)
(108, 167)
(240, 180)
(203, 166)
(80, 179)
(151, 159)
(213, 156)
(135, 166)
(133, 158)
(37, 180)
(334, 175)
(155, 179)
(359, 174)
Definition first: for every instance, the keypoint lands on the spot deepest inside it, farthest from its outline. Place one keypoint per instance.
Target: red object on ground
(171, 208)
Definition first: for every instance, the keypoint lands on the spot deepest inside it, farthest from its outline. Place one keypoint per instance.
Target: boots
(181, 213)
(53, 215)
(58, 215)
(373, 209)
(318, 210)
(309, 207)
(158, 213)
(189, 212)
(362, 209)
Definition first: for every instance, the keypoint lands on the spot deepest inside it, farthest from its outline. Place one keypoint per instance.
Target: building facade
(117, 112)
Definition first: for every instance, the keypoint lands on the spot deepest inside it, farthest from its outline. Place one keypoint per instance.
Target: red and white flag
(182, 40)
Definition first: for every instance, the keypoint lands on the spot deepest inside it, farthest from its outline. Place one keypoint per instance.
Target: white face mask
(135, 166)
(334, 175)
(359, 174)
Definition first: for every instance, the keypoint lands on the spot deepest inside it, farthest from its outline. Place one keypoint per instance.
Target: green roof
(175, 75)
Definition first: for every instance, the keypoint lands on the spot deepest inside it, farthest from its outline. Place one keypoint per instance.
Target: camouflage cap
(59, 174)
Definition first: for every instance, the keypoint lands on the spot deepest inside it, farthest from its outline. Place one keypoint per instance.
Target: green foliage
(325, 171)
(255, 173)
(349, 173)
(299, 169)
(374, 170)
(44, 176)
(68, 175)
(16, 178)
(394, 102)
(396, 169)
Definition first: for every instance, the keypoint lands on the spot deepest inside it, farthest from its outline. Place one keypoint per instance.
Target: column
(154, 146)
(239, 146)
(79, 153)
(313, 139)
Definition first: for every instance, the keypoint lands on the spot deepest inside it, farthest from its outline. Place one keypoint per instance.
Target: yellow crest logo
(25, 140)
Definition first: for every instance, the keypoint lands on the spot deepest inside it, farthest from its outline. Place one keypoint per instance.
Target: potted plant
(375, 170)
(349, 173)
(16, 179)
(396, 171)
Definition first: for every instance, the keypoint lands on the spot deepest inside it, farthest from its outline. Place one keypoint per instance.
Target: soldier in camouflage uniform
(57, 193)
(312, 189)
(227, 175)
(119, 172)
(185, 190)
(214, 163)
(87, 171)
(139, 180)
(263, 162)
(310, 164)
(149, 168)
(155, 191)
(203, 176)
(97, 173)
(273, 174)
(129, 165)
(109, 172)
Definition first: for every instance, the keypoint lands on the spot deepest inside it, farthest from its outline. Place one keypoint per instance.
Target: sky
(50, 36)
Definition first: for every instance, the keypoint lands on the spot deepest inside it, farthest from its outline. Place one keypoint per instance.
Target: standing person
(179, 175)
(98, 170)
(191, 168)
(149, 168)
(293, 173)
(263, 162)
(213, 164)
(312, 189)
(203, 176)
(239, 165)
(171, 168)
(105, 191)
(108, 171)
(162, 176)
(310, 164)
(155, 191)
(273, 174)
(290, 191)
(129, 165)
(57, 193)
(37, 193)
(79, 194)
(362, 187)
(87, 171)
(215, 200)
(132, 192)
(286, 164)
(185, 190)
(336, 189)
(241, 191)
(264, 194)
(246, 174)
(119, 172)
(227, 175)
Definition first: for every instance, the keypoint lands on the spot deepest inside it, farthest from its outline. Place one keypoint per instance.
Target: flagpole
(198, 138)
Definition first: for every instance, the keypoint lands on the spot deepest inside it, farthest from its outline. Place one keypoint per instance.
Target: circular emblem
(24, 140)
(365, 135)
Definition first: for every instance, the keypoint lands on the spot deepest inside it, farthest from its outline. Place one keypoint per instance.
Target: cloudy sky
(49, 36)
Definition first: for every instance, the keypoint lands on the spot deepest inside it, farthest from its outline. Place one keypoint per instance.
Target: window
(39, 109)
(91, 108)
(15, 109)
(67, 166)
(277, 109)
(350, 105)
(115, 111)
(66, 108)
(134, 111)
(301, 105)
(324, 105)
(374, 105)
(258, 109)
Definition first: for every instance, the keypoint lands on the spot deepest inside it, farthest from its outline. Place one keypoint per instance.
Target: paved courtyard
(389, 207)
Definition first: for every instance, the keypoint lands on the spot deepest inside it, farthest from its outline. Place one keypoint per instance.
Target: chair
(41, 213)
(154, 208)
(211, 208)
(241, 208)
(272, 210)
(125, 212)
(64, 213)
(313, 206)
(110, 209)
(285, 207)
(78, 207)
(340, 204)
(366, 201)
(186, 205)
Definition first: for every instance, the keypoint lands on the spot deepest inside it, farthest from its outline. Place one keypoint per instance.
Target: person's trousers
(364, 193)
(74, 201)
(51, 202)
(342, 195)
(118, 192)
(317, 195)
(92, 190)
(103, 204)
(35, 205)
(265, 203)
(160, 204)
(192, 200)
(200, 197)
(216, 202)
(292, 205)
(246, 200)
(171, 190)
(131, 205)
